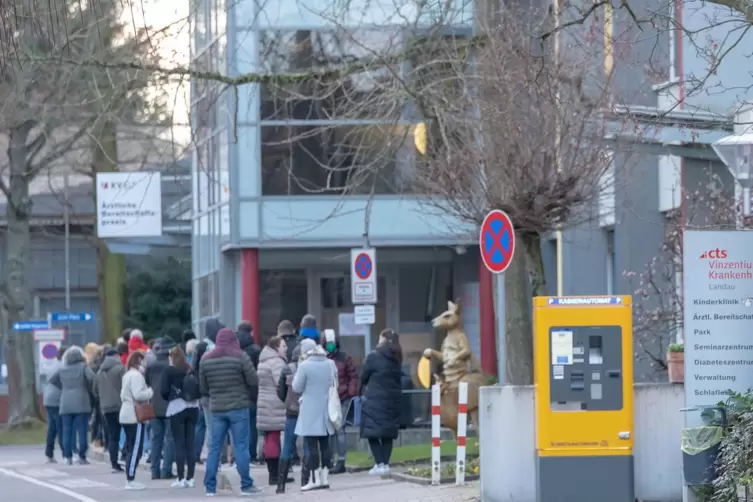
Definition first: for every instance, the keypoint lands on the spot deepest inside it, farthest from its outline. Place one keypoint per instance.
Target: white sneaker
(385, 470)
(324, 477)
(313, 483)
(181, 483)
(133, 485)
(377, 470)
(190, 483)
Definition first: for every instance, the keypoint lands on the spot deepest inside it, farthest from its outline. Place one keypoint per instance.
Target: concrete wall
(507, 426)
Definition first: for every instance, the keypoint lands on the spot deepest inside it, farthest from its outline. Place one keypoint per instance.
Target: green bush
(734, 465)
(676, 347)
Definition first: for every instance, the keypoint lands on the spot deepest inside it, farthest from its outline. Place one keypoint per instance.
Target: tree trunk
(110, 267)
(524, 278)
(19, 346)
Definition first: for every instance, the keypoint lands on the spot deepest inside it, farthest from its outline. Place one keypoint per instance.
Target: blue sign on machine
(29, 325)
(71, 316)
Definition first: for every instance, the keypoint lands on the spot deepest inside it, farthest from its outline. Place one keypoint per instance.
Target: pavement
(25, 477)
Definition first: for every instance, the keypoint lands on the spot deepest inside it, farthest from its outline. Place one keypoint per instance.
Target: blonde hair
(91, 350)
(191, 346)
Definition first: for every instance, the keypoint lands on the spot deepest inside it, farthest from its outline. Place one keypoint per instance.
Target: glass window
(202, 176)
(205, 296)
(291, 13)
(282, 295)
(330, 159)
(200, 26)
(204, 249)
(225, 223)
(373, 94)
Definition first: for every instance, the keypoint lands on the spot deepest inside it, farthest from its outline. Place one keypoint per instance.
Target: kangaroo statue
(458, 365)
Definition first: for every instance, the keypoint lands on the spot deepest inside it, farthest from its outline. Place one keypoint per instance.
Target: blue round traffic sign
(363, 266)
(50, 351)
(497, 241)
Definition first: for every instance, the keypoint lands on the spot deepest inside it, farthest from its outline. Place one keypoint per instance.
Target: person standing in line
(227, 376)
(313, 379)
(107, 385)
(202, 426)
(186, 337)
(122, 348)
(270, 415)
(94, 357)
(75, 380)
(381, 409)
(180, 388)
(51, 402)
(133, 391)
(163, 448)
(211, 328)
(347, 389)
(245, 334)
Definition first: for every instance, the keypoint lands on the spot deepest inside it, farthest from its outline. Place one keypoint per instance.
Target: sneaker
(211, 494)
(68, 461)
(377, 470)
(133, 485)
(179, 484)
(82, 461)
(190, 483)
(385, 470)
(51, 460)
(339, 468)
(116, 469)
(250, 491)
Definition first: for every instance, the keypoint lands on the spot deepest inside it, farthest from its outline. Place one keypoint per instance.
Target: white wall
(508, 471)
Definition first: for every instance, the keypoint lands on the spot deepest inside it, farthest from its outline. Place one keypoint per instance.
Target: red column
(250, 289)
(486, 317)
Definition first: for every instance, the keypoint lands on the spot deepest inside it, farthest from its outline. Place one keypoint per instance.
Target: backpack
(189, 389)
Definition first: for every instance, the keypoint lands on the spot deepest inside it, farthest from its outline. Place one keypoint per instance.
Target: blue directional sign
(71, 316)
(594, 300)
(30, 325)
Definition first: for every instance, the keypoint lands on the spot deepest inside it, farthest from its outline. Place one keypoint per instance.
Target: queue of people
(165, 401)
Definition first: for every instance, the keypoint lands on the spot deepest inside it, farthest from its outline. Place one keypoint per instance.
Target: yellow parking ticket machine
(583, 371)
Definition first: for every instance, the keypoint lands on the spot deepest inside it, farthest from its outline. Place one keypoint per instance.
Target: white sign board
(47, 356)
(718, 277)
(49, 335)
(129, 204)
(363, 275)
(364, 314)
(346, 326)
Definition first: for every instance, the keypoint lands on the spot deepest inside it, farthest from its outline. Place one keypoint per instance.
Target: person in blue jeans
(162, 444)
(201, 435)
(228, 377)
(75, 380)
(51, 401)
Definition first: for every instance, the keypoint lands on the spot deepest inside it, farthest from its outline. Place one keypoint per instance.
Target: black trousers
(183, 427)
(381, 449)
(319, 455)
(135, 441)
(112, 426)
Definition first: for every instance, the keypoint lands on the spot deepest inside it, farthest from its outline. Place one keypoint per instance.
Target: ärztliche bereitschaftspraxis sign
(718, 311)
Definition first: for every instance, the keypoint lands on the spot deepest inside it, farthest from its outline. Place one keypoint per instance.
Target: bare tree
(50, 113)
(658, 302)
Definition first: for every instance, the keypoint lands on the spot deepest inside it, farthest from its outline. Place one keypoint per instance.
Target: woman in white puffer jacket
(133, 391)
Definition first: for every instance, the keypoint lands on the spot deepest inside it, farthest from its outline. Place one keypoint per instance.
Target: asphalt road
(25, 477)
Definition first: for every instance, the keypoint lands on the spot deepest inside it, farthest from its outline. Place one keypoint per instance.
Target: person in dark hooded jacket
(162, 446)
(201, 424)
(245, 334)
(381, 409)
(107, 386)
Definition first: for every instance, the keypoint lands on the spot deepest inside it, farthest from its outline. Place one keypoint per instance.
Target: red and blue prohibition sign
(363, 266)
(49, 351)
(497, 241)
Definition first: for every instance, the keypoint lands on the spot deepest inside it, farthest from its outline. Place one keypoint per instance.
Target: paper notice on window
(562, 347)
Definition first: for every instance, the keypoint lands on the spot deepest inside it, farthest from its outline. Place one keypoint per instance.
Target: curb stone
(408, 478)
(408, 463)
(99, 455)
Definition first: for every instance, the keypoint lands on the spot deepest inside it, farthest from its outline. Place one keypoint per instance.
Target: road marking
(80, 483)
(17, 463)
(49, 486)
(43, 473)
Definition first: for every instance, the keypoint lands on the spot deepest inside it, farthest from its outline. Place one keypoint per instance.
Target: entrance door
(337, 313)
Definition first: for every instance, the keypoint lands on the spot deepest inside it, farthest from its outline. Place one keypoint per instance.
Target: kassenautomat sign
(718, 306)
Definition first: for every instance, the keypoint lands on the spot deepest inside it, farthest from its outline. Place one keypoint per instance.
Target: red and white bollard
(462, 431)
(436, 454)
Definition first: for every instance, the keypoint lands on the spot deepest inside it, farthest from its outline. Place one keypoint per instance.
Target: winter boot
(273, 467)
(282, 476)
(324, 478)
(339, 467)
(313, 482)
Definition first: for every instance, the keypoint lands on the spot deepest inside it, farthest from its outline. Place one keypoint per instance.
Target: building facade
(275, 215)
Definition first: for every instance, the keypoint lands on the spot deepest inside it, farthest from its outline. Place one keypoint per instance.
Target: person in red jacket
(136, 343)
(347, 386)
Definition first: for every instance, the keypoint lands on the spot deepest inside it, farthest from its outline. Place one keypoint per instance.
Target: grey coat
(51, 393)
(270, 411)
(107, 384)
(312, 382)
(75, 379)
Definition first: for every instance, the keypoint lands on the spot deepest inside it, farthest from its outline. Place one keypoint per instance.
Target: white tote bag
(334, 408)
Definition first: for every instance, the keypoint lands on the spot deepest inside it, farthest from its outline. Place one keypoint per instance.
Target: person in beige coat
(270, 410)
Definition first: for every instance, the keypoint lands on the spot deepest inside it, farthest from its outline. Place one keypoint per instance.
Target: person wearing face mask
(347, 388)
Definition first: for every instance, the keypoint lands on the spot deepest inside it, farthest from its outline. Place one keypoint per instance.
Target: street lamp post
(736, 151)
